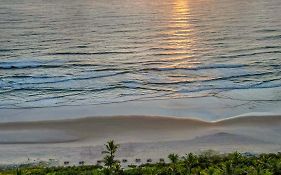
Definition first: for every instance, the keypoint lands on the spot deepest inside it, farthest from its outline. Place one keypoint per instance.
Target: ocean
(56, 53)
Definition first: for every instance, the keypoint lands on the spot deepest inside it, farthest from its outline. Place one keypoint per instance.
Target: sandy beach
(139, 136)
(157, 77)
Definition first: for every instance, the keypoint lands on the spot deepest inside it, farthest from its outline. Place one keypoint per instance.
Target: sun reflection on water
(181, 41)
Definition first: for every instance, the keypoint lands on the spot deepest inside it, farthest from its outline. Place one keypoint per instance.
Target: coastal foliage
(112, 166)
(206, 163)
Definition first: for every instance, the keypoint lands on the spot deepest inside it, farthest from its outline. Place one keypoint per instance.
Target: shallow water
(68, 52)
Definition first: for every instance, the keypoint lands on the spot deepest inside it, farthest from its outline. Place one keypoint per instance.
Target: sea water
(91, 52)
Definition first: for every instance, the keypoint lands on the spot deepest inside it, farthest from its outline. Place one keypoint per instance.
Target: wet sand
(139, 136)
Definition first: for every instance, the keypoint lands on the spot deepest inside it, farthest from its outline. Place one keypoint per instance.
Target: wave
(66, 64)
(36, 80)
(82, 90)
(228, 88)
(211, 79)
(9, 50)
(266, 30)
(251, 54)
(214, 66)
(92, 53)
(255, 48)
(240, 76)
(273, 37)
(30, 64)
(170, 54)
(136, 85)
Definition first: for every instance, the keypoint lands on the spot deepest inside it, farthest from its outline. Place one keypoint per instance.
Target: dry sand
(140, 136)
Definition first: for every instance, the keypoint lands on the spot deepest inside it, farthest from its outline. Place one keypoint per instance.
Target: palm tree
(174, 158)
(189, 160)
(213, 171)
(109, 161)
(236, 157)
(276, 167)
(18, 171)
(111, 148)
(228, 168)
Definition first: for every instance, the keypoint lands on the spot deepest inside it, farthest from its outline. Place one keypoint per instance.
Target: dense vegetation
(207, 163)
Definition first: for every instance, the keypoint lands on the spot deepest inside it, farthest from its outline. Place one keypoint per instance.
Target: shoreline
(215, 107)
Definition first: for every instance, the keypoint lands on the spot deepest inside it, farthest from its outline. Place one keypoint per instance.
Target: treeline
(207, 163)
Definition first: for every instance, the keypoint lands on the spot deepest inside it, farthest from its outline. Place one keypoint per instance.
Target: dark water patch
(272, 37)
(8, 50)
(165, 49)
(55, 40)
(266, 30)
(251, 54)
(28, 64)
